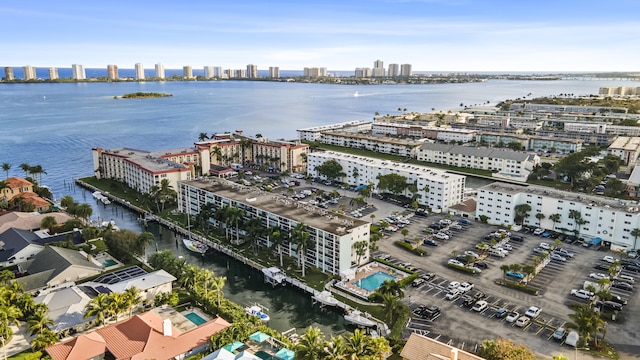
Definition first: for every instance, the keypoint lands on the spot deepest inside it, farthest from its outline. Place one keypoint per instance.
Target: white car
(545, 246)
(582, 294)
(454, 262)
(465, 287)
(512, 317)
(558, 257)
(480, 306)
(441, 236)
(475, 255)
(609, 259)
(453, 285)
(598, 276)
(523, 321)
(452, 294)
(533, 312)
(538, 231)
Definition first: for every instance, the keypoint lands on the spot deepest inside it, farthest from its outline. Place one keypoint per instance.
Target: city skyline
(432, 35)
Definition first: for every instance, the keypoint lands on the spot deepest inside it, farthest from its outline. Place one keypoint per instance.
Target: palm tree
(117, 303)
(276, 237)
(132, 298)
(25, 167)
(311, 344)
(300, 236)
(38, 322)
(521, 212)
(45, 338)
(84, 211)
(9, 315)
(634, 232)
(98, 307)
(358, 344)
(540, 217)
(529, 270)
(203, 136)
(217, 284)
(6, 167)
(555, 218)
(390, 302)
(391, 287)
(335, 349)
(505, 268)
(48, 222)
(586, 321)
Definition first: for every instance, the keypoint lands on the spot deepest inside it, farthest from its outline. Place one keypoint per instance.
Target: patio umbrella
(259, 336)
(285, 354)
(233, 346)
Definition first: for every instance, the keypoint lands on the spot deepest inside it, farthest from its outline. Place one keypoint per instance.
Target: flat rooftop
(590, 200)
(146, 159)
(299, 211)
(376, 138)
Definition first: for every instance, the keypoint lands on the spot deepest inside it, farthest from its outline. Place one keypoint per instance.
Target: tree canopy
(331, 169)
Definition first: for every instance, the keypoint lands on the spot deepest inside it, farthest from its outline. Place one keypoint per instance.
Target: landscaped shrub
(463, 269)
(407, 246)
(518, 286)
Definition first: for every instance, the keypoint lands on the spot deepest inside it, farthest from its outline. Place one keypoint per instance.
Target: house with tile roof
(151, 335)
(28, 220)
(20, 189)
(55, 265)
(18, 246)
(420, 347)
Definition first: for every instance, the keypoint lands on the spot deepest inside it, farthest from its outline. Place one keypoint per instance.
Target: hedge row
(518, 286)
(462, 268)
(407, 246)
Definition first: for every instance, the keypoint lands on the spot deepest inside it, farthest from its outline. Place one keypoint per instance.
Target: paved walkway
(19, 342)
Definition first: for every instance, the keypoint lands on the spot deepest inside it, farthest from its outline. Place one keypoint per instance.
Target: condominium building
(332, 236)
(208, 72)
(619, 91)
(228, 149)
(53, 73)
(577, 109)
(77, 72)
(315, 72)
(252, 71)
(429, 132)
(160, 71)
(363, 72)
(139, 71)
(217, 72)
(623, 130)
(29, 72)
(8, 74)
(228, 73)
(626, 148)
(274, 72)
(394, 70)
(112, 72)
(532, 143)
(240, 73)
(437, 188)
(381, 144)
(611, 220)
(405, 70)
(141, 169)
(314, 133)
(187, 72)
(504, 163)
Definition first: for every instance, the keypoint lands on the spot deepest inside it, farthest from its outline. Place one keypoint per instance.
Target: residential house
(420, 347)
(17, 246)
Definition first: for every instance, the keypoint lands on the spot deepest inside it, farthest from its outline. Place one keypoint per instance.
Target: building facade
(160, 71)
(429, 132)
(77, 72)
(532, 143)
(274, 72)
(8, 73)
(208, 72)
(381, 144)
(139, 71)
(611, 220)
(29, 72)
(626, 148)
(315, 72)
(437, 188)
(315, 133)
(505, 163)
(332, 236)
(187, 72)
(252, 71)
(394, 70)
(53, 73)
(112, 72)
(141, 170)
(405, 70)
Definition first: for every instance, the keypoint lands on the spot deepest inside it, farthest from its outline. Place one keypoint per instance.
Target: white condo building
(394, 70)
(626, 148)
(252, 71)
(78, 72)
(208, 72)
(444, 189)
(331, 245)
(139, 71)
(29, 72)
(405, 70)
(381, 144)
(274, 72)
(314, 133)
(160, 71)
(611, 220)
(53, 73)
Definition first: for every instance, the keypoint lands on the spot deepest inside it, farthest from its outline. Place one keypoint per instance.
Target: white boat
(105, 200)
(195, 246)
(257, 310)
(325, 298)
(274, 276)
(97, 194)
(358, 318)
(355, 94)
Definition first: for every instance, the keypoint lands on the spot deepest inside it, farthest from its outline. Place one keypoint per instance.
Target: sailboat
(191, 244)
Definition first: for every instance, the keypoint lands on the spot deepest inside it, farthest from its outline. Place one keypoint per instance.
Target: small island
(142, 95)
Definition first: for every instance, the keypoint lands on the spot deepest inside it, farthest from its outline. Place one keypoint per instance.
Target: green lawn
(26, 355)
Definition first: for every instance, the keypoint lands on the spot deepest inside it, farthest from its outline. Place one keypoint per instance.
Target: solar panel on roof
(102, 290)
(121, 275)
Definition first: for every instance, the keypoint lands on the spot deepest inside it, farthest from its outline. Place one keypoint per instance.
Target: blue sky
(432, 35)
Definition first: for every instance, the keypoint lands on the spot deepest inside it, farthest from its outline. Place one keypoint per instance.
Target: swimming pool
(373, 281)
(109, 262)
(195, 318)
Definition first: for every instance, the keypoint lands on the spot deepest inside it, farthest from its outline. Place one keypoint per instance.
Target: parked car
(453, 285)
(465, 221)
(475, 255)
(468, 301)
(634, 268)
(501, 313)
(454, 262)
(582, 294)
(465, 287)
(559, 334)
(598, 276)
(428, 276)
(609, 259)
(523, 321)
(538, 231)
(533, 312)
(417, 282)
(481, 264)
(430, 242)
(452, 294)
(517, 238)
(607, 305)
(558, 257)
(512, 317)
(480, 306)
(604, 267)
(567, 254)
(625, 278)
(539, 250)
(515, 274)
(618, 299)
(544, 245)
(572, 339)
(622, 285)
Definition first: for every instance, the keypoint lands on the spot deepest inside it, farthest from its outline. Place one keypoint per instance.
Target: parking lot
(464, 328)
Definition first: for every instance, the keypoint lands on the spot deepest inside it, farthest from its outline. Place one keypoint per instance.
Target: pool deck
(365, 271)
(100, 258)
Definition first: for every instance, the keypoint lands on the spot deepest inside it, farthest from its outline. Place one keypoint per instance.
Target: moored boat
(325, 298)
(195, 246)
(358, 318)
(257, 310)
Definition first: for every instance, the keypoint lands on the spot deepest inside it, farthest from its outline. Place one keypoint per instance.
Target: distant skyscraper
(53, 73)
(228, 73)
(187, 72)
(252, 71)
(208, 72)
(378, 69)
(315, 72)
(363, 72)
(112, 72)
(217, 72)
(29, 72)
(160, 71)
(139, 71)
(394, 70)
(405, 70)
(78, 72)
(240, 73)
(274, 72)
(8, 74)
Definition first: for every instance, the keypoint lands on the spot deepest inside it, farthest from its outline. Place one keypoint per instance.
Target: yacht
(358, 318)
(325, 298)
(195, 246)
(257, 310)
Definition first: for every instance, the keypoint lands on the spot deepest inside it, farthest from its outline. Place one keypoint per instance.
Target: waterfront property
(21, 189)
(532, 143)
(332, 236)
(504, 163)
(149, 285)
(611, 220)
(380, 144)
(437, 188)
(315, 133)
(20, 246)
(446, 134)
(366, 279)
(420, 347)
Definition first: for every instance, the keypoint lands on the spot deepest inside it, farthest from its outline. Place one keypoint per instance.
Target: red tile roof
(15, 182)
(140, 337)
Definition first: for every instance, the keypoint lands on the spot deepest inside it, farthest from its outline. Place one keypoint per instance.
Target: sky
(432, 35)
